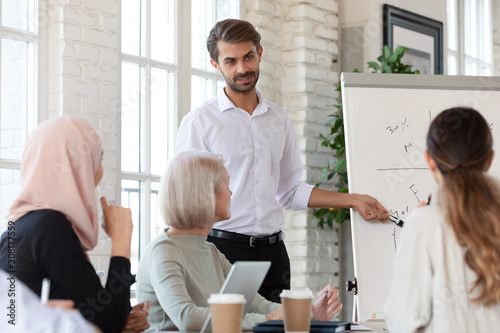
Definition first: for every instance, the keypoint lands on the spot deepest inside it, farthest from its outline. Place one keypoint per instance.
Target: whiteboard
(386, 119)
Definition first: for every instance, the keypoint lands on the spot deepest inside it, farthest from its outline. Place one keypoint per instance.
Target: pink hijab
(58, 169)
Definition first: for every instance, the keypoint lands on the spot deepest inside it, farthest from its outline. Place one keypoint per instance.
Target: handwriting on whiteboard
(401, 127)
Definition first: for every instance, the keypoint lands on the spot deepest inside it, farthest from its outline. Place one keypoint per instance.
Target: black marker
(396, 220)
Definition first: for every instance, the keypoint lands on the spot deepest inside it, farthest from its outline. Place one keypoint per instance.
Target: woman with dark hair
(447, 266)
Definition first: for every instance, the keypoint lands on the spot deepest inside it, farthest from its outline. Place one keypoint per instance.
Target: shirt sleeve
(409, 306)
(189, 135)
(292, 192)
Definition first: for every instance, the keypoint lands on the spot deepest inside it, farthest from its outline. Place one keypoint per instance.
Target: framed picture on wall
(423, 37)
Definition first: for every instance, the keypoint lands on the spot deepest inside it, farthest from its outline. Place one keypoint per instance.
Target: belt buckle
(254, 239)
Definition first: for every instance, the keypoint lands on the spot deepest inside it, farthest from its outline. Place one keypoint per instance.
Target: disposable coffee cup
(297, 310)
(227, 312)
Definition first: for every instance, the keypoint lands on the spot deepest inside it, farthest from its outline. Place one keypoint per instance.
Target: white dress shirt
(431, 284)
(261, 156)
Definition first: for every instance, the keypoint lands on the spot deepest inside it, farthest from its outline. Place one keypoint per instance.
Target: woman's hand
(65, 304)
(137, 320)
(276, 314)
(117, 223)
(423, 203)
(326, 304)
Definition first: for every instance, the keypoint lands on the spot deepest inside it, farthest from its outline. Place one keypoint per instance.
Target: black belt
(252, 241)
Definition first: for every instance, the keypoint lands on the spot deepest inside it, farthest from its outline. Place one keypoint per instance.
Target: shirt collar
(226, 104)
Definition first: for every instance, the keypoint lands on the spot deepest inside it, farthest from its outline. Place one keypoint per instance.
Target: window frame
(37, 69)
(460, 54)
(182, 72)
(144, 177)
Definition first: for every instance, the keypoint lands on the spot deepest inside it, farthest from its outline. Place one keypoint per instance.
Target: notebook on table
(317, 326)
(245, 277)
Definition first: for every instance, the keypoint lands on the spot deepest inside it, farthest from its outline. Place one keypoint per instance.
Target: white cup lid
(299, 294)
(226, 298)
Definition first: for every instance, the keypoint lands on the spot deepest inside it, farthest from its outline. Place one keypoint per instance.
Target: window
(20, 104)
(164, 60)
(470, 43)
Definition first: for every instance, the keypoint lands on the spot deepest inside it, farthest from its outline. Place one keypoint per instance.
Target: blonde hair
(460, 142)
(188, 188)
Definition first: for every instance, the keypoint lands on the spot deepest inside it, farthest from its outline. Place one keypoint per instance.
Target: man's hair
(188, 188)
(231, 31)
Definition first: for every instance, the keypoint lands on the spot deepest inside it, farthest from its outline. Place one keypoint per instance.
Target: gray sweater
(177, 274)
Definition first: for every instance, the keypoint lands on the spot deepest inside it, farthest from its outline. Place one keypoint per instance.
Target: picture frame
(422, 36)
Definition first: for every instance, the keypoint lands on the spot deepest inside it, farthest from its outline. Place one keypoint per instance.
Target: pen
(396, 220)
(45, 290)
(320, 299)
(429, 200)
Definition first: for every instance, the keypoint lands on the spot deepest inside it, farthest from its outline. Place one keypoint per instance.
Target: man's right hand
(369, 208)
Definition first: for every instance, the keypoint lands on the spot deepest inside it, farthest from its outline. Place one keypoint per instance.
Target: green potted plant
(388, 62)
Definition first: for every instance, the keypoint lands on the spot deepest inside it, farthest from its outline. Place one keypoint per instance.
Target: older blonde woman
(180, 269)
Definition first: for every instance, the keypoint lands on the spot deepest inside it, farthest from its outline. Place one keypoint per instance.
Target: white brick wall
(83, 62)
(303, 50)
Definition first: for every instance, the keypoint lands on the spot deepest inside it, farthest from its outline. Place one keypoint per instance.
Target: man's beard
(243, 88)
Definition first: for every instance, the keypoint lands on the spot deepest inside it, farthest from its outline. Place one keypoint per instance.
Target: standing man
(257, 141)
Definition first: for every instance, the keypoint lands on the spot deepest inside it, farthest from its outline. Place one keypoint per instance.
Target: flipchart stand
(353, 286)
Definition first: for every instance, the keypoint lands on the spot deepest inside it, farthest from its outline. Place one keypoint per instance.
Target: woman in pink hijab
(53, 223)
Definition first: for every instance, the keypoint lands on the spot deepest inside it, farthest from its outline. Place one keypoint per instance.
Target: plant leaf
(401, 50)
(338, 217)
(341, 165)
(330, 218)
(324, 172)
(374, 65)
(338, 124)
(393, 58)
(387, 52)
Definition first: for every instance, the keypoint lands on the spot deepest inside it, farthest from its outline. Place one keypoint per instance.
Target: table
(376, 325)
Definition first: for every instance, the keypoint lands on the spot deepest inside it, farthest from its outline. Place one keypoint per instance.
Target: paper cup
(227, 312)
(297, 310)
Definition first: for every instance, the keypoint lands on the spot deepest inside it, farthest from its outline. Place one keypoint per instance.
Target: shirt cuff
(301, 196)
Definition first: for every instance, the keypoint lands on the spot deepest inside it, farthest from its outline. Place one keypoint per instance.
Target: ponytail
(472, 210)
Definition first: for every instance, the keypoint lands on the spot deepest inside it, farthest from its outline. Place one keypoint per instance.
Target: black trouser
(278, 277)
